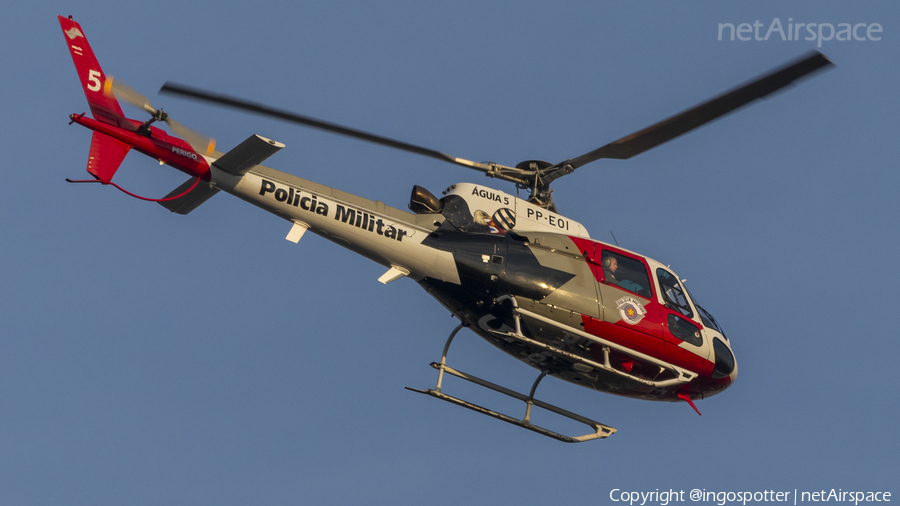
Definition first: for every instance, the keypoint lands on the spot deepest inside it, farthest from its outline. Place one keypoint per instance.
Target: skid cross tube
(599, 430)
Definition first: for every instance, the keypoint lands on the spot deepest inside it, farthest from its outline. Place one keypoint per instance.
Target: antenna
(614, 237)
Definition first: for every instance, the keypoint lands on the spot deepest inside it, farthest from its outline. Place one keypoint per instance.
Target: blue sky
(150, 358)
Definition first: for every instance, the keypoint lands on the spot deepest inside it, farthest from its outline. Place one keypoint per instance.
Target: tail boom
(159, 145)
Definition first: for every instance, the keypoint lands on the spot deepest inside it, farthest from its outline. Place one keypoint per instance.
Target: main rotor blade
(246, 105)
(668, 129)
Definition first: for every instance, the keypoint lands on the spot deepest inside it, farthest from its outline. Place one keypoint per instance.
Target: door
(626, 291)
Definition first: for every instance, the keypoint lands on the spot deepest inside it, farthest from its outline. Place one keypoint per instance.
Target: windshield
(708, 320)
(706, 317)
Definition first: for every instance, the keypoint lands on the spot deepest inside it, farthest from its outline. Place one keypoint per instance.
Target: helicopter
(514, 271)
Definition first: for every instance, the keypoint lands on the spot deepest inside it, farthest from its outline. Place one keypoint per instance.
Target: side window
(625, 272)
(672, 293)
(684, 330)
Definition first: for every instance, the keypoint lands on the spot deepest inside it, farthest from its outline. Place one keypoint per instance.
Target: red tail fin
(104, 107)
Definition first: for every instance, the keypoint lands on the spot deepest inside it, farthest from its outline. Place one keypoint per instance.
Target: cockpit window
(705, 316)
(709, 321)
(626, 272)
(672, 293)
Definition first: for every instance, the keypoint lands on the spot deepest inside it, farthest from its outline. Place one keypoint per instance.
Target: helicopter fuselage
(492, 259)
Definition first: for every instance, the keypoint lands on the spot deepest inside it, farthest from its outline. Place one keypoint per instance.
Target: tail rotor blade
(127, 94)
(201, 143)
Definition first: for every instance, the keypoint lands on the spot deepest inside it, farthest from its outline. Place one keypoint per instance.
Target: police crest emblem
(631, 310)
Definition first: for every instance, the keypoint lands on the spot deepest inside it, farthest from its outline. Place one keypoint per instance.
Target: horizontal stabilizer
(192, 200)
(247, 155)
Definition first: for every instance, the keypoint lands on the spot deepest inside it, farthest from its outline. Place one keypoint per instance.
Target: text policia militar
(345, 214)
(795, 31)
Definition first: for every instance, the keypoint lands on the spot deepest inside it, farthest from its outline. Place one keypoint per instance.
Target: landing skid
(600, 430)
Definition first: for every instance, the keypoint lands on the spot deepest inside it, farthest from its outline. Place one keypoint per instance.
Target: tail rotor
(200, 143)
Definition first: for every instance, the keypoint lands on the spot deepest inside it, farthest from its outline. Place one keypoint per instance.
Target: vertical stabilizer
(104, 107)
(106, 156)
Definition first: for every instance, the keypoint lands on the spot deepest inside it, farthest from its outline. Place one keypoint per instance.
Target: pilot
(610, 266)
